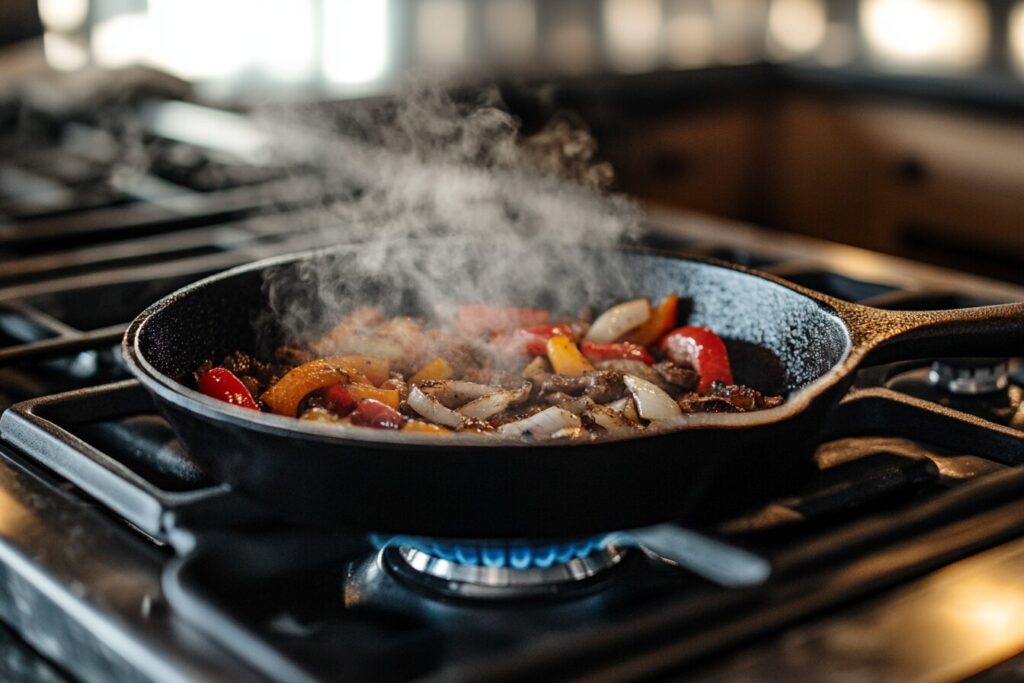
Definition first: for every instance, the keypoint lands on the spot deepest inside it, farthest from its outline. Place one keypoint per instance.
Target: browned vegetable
(500, 371)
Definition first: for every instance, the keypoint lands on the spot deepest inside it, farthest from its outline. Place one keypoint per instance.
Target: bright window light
(200, 39)
(1016, 29)
(63, 15)
(121, 40)
(284, 38)
(928, 34)
(633, 33)
(795, 27)
(355, 41)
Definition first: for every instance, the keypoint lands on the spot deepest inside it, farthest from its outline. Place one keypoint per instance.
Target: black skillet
(781, 338)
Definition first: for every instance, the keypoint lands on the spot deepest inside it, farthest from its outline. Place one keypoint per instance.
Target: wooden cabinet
(895, 177)
(704, 161)
(936, 184)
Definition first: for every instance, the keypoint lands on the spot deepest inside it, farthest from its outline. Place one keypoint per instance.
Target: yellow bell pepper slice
(422, 427)
(566, 358)
(437, 369)
(361, 391)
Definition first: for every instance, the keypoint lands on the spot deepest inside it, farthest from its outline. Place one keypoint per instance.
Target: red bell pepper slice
(223, 385)
(372, 413)
(339, 400)
(535, 339)
(699, 348)
(626, 350)
(475, 320)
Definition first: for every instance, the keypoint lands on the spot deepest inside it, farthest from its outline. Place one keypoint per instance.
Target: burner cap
(970, 376)
(496, 571)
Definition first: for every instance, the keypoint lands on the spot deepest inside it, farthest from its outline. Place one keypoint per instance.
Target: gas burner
(487, 571)
(970, 376)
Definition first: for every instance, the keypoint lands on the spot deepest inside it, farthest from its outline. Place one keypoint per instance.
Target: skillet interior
(779, 340)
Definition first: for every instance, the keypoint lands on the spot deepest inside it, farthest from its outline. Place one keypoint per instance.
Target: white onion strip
(627, 408)
(453, 392)
(651, 402)
(494, 403)
(612, 421)
(545, 423)
(430, 408)
(618, 320)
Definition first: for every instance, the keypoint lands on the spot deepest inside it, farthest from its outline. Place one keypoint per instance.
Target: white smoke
(427, 166)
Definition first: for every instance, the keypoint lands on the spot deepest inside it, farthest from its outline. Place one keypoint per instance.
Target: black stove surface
(122, 559)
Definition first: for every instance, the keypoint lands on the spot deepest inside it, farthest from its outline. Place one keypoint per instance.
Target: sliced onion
(627, 408)
(454, 392)
(612, 421)
(578, 405)
(430, 408)
(651, 402)
(618, 320)
(494, 403)
(545, 423)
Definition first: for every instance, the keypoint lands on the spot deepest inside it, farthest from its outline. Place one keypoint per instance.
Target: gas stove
(122, 559)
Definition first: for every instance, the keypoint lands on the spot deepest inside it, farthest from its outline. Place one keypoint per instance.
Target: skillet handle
(888, 336)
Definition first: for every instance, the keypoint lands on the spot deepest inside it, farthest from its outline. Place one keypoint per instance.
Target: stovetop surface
(122, 559)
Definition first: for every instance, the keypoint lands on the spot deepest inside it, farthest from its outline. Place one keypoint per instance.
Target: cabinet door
(702, 161)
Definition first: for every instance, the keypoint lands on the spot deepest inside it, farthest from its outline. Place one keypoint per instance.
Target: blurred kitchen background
(895, 125)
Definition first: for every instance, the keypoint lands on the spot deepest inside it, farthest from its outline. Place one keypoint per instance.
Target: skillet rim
(191, 400)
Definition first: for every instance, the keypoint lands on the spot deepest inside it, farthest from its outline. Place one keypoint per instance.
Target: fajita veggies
(517, 372)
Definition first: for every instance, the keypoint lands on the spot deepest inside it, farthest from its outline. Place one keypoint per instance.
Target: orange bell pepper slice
(663, 319)
(287, 393)
(565, 357)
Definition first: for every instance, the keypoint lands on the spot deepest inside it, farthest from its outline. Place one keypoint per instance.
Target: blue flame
(500, 554)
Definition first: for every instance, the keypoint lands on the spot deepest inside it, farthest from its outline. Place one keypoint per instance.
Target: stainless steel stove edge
(86, 593)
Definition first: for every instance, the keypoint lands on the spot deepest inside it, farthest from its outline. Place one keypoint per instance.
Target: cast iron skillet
(781, 338)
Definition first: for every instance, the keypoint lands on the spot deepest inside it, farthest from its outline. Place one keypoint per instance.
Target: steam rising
(427, 166)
